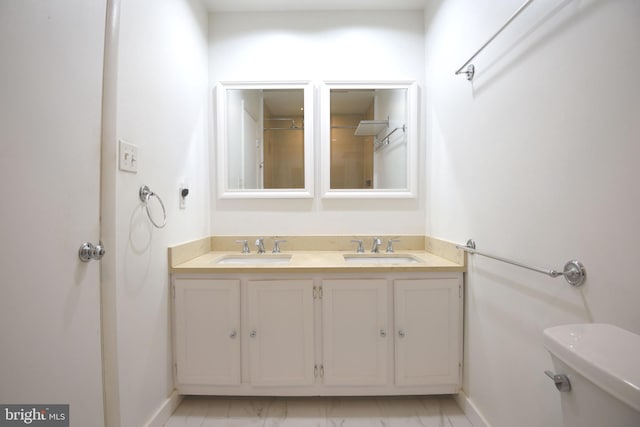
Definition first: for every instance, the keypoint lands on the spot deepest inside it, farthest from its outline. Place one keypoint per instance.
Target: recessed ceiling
(284, 102)
(355, 101)
(309, 5)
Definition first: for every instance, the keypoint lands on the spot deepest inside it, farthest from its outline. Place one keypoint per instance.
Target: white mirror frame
(224, 192)
(411, 138)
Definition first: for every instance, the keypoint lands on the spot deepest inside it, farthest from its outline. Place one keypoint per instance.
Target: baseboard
(470, 410)
(165, 410)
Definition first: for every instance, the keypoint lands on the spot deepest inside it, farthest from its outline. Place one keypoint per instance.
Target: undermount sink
(254, 260)
(380, 259)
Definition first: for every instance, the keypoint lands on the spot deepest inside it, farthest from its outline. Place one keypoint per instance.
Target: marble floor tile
(412, 412)
(454, 414)
(354, 411)
(303, 412)
(405, 411)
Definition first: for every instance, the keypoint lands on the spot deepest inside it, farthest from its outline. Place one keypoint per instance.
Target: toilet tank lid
(607, 355)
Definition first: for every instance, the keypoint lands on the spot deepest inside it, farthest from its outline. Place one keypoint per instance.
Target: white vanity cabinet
(207, 327)
(355, 322)
(427, 316)
(318, 334)
(280, 327)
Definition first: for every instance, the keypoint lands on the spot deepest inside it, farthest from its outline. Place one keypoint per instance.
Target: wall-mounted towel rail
(293, 125)
(574, 272)
(145, 194)
(385, 140)
(470, 71)
(403, 127)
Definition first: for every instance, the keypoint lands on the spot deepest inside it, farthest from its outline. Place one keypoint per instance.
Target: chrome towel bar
(574, 272)
(470, 71)
(145, 194)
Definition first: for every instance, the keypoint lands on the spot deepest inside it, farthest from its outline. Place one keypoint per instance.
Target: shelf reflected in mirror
(369, 139)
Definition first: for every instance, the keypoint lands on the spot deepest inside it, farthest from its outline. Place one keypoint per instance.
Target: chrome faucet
(360, 248)
(276, 245)
(260, 245)
(390, 245)
(376, 245)
(245, 246)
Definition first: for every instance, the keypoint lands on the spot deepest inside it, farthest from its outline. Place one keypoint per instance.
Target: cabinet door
(280, 328)
(207, 326)
(354, 328)
(428, 331)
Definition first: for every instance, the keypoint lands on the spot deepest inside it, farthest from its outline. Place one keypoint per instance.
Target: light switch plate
(128, 155)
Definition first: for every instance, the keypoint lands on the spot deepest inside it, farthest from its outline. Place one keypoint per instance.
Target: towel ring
(145, 194)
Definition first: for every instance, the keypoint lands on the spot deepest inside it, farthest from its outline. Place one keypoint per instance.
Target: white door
(428, 331)
(250, 156)
(50, 124)
(281, 332)
(355, 332)
(207, 316)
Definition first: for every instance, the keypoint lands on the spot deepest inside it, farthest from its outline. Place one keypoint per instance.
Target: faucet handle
(390, 245)
(276, 245)
(360, 248)
(245, 246)
(260, 245)
(376, 244)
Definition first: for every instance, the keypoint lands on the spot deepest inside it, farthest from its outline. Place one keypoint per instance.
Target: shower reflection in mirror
(263, 140)
(368, 140)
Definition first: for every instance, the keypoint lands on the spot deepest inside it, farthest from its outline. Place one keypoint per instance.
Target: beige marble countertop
(316, 261)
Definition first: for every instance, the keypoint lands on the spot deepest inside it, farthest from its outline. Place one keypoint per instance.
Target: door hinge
(459, 291)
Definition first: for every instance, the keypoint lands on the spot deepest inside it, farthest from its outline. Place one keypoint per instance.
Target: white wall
(536, 160)
(162, 108)
(316, 46)
(392, 158)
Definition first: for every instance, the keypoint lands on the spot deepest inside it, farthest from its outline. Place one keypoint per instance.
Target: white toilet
(602, 363)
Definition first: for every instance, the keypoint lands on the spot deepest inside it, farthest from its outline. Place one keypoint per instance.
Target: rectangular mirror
(264, 139)
(369, 133)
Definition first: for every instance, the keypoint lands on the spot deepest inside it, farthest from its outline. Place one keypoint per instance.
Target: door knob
(88, 251)
(98, 251)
